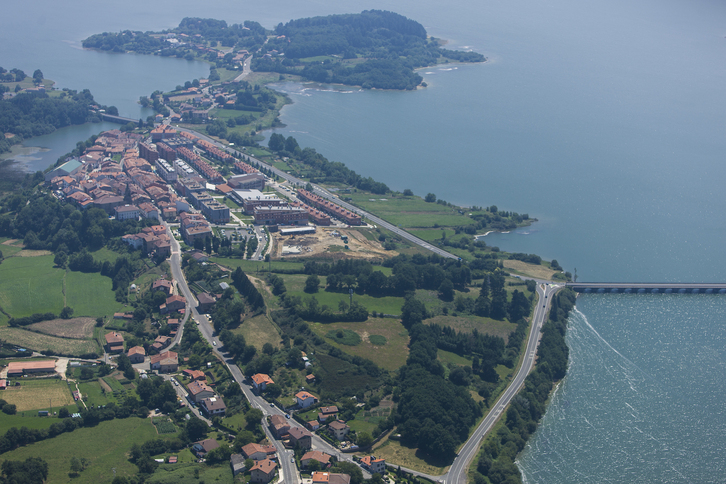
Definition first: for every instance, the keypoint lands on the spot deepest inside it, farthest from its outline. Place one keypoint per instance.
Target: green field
(384, 304)
(183, 473)
(41, 342)
(94, 395)
(409, 212)
(251, 266)
(105, 446)
(30, 285)
(390, 356)
(32, 421)
(91, 295)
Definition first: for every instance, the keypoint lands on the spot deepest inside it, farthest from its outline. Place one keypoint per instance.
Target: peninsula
(372, 49)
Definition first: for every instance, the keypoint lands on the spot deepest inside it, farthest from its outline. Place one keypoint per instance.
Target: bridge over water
(648, 287)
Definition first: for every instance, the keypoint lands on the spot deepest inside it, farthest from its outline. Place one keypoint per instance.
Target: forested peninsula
(30, 107)
(372, 49)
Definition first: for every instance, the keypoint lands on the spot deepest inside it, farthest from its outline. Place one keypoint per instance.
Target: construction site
(331, 243)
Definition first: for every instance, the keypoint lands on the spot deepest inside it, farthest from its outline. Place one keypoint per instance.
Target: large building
(281, 215)
(251, 181)
(329, 207)
(20, 368)
(251, 199)
(166, 170)
(194, 226)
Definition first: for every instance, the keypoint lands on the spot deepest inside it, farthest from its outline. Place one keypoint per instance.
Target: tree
(364, 440)
(408, 192)
(60, 259)
(196, 429)
(430, 198)
(312, 283)
(66, 313)
(446, 289)
(276, 142)
(38, 75)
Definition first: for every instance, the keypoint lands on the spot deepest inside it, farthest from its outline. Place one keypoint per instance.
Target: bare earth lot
(77, 328)
(322, 243)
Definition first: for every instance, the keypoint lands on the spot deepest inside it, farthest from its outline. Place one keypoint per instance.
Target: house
(114, 342)
(260, 381)
(165, 362)
(258, 452)
(3, 384)
(161, 342)
(280, 425)
(305, 399)
(301, 437)
(315, 455)
(162, 285)
(374, 465)
(324, 413)
(214, 406)
(195, 375)
(237, 461)
(330, 478)
(263, 471)
(203, 447)
(198, 391)
(173, 303)
(136, 354)
(313, 425)
(339, 429)
(310, 378)
(206, 302)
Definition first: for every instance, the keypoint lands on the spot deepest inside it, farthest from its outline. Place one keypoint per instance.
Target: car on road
(287, 415)
(214, 343)
(292, 460)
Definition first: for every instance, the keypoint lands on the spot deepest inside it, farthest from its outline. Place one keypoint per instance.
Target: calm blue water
(604, 119)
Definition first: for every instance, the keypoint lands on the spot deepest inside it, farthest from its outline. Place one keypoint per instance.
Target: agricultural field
(42, 342)
(164, 425)
(367, 420)
(390, 356)
(94, 444)
(250, 266)
(39, 394)
(30, 285)
(531, 270)
(77, 328)
(94, 394)
(411, 458)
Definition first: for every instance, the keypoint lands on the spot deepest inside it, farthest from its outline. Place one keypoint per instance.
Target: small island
(372, 49)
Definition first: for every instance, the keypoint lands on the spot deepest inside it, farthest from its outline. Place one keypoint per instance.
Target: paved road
(457, 472)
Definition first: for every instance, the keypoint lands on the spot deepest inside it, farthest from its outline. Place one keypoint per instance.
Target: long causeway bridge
(648, 287)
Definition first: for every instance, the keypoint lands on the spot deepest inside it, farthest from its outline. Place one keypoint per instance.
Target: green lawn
(103, 254)
(30, 285)
(105, 446)
(91, 295)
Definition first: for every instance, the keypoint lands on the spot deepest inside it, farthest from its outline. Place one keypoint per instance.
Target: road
(458, 470)
(288, 468)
